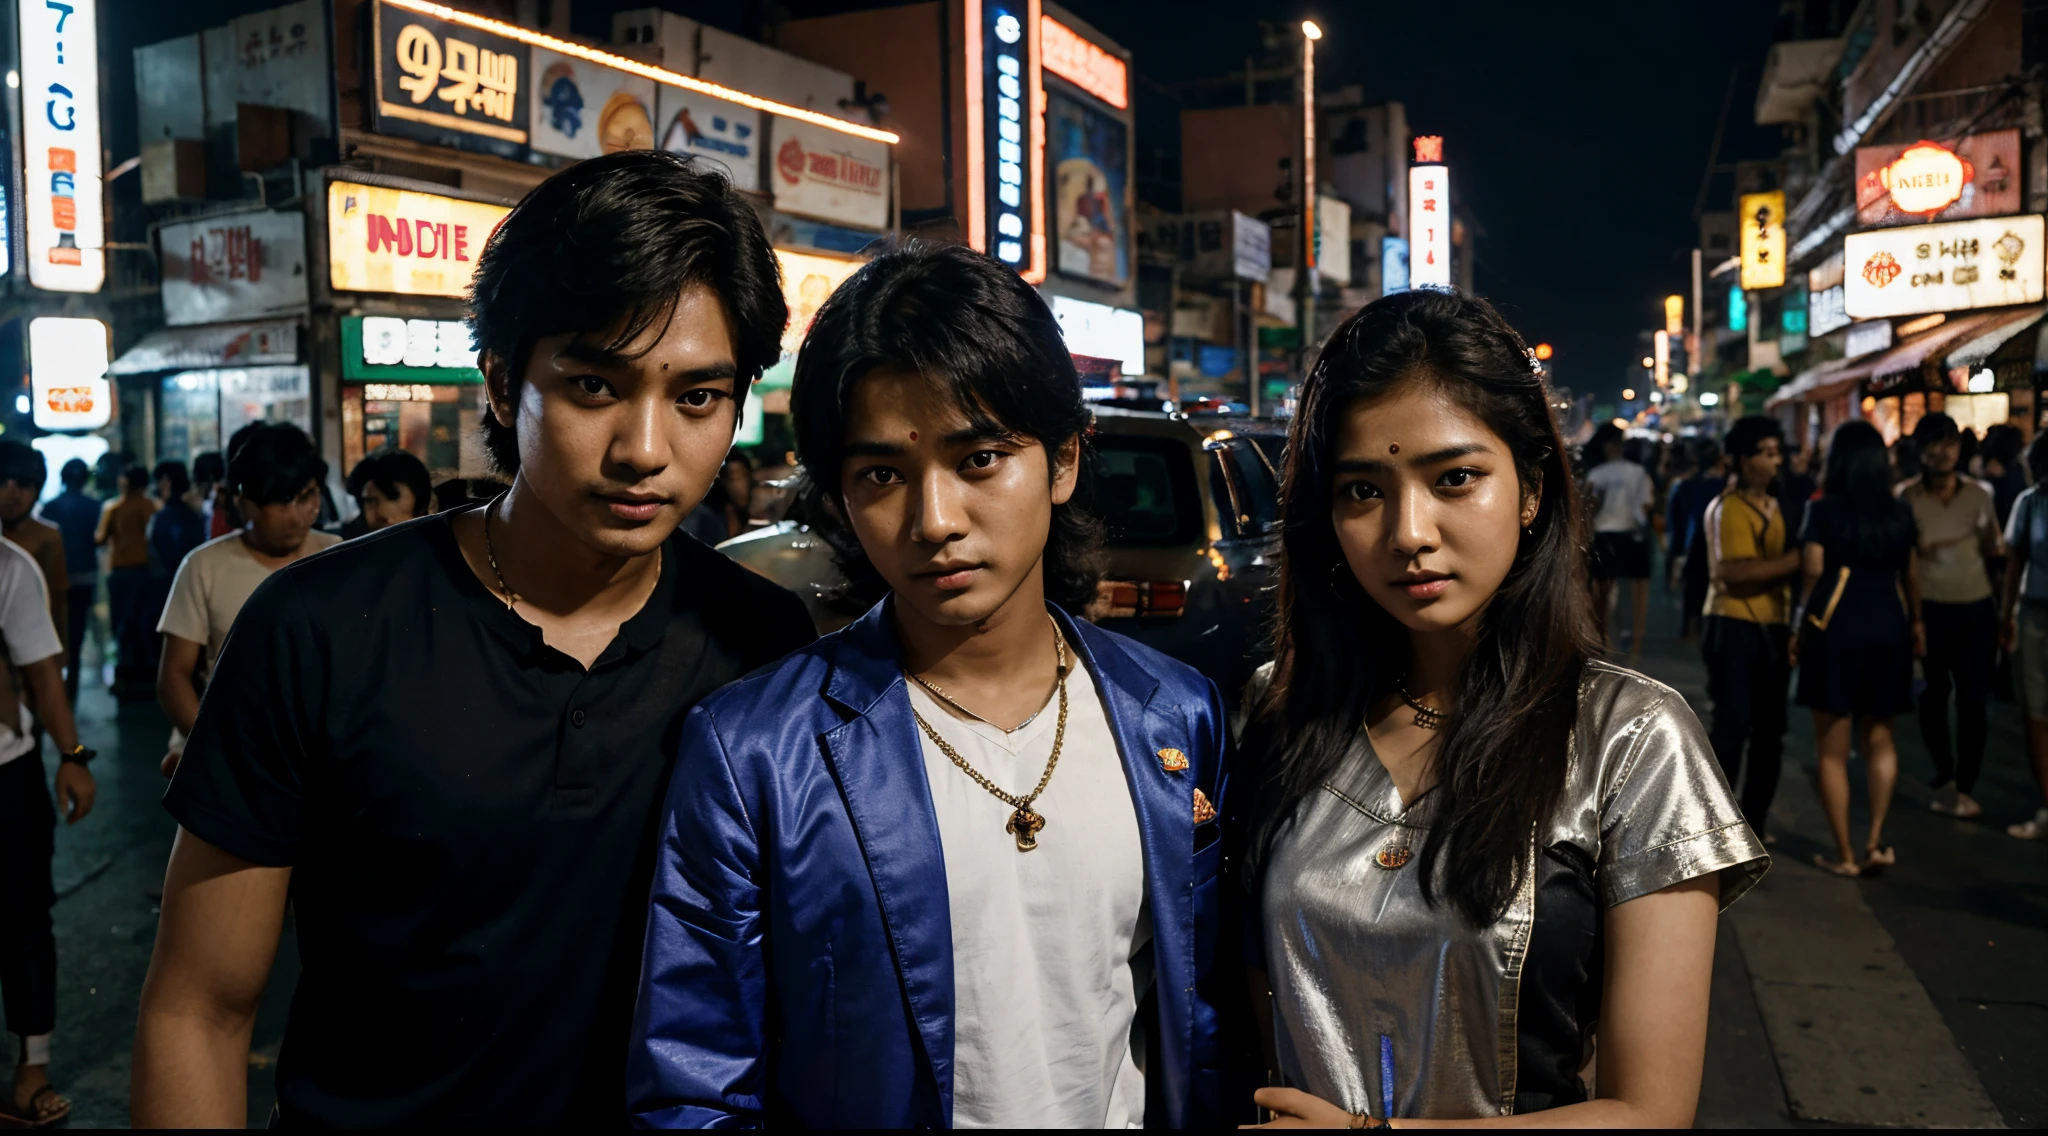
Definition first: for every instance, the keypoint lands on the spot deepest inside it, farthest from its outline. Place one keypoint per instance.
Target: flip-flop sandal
(1836, 867)
(12, 1116)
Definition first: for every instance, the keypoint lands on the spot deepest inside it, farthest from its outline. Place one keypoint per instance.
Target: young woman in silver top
(1478, 847)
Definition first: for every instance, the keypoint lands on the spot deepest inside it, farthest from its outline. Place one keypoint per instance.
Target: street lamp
(1305, 275)
(1628, 394)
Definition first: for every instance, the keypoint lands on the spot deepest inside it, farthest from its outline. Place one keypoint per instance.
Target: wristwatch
(78, 755)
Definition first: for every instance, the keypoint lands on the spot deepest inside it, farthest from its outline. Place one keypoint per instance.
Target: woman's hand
(1919, 639)
(1297, 1109)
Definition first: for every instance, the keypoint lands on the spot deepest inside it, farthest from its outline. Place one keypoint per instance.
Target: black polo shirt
(468, 816)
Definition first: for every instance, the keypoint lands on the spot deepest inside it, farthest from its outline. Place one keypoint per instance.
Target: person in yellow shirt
(1749, 601)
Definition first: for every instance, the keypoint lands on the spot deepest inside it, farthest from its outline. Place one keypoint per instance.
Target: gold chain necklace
(491, 554)
(1025, 822)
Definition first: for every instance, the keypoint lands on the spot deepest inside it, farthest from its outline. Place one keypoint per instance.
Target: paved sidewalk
(1914, 1000)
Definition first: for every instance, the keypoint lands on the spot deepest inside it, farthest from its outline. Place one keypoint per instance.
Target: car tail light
(1126, 599)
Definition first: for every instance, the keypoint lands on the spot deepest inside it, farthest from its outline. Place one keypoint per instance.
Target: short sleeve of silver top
(1355, 955)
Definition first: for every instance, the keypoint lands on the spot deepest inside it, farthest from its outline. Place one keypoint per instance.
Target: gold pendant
(1393, 856)
(1024, 825)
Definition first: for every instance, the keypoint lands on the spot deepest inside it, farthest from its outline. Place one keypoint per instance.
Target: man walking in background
(76, 514)
(275, 479)
(32, 673)
(1958, 531)
(1749, 604)
(22, 475)
(124, 533)
(1685, 529)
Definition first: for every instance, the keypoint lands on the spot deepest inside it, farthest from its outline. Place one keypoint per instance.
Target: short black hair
(23, 464)
(1750, 432)
(136, 477)
(75, 473)
(1934, 429)
(272, 463)
(175, 470)
(209, 467)
(1607, 435)
(977, 329)
(2037, 457)
(388, 469)
(607, 247)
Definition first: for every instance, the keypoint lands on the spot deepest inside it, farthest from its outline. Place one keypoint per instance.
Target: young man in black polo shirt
(447, 741)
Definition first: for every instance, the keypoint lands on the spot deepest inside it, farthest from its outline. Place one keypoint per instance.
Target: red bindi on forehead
(913, 435)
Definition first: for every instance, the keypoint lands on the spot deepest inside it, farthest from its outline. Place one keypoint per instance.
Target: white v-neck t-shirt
(1051, 947)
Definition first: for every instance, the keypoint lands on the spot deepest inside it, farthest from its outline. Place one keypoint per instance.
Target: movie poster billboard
(713, 130)
(583, 109)
(1088, 157)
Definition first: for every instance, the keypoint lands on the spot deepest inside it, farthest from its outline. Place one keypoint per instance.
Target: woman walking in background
(2024, 630)
(1858, 631)
(1622, 495)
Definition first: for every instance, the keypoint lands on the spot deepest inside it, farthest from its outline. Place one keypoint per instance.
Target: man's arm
(1737, 560)
(214, 946)
(76, 789)
(175, 690)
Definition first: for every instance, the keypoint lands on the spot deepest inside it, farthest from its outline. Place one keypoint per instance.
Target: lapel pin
(1204, 811)
(1173, 760)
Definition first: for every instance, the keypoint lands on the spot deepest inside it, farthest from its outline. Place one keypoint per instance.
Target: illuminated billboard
(1950, 266)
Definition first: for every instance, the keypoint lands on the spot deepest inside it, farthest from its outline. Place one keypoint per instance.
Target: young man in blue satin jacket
(955, 865)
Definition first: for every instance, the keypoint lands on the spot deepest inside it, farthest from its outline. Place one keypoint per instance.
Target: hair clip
(1535, 367)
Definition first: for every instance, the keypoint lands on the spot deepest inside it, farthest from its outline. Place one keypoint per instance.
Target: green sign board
(391, 349)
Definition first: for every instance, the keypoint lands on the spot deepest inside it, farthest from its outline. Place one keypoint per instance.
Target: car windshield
(1146, 491)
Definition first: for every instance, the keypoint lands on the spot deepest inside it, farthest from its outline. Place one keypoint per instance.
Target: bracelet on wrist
(77, 755)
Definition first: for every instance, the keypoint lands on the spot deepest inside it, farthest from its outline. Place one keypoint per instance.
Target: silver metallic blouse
(1373, 987)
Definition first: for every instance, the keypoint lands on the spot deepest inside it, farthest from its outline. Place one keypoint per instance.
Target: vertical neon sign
(1006, 134)
(1429, 215)
(60, 113)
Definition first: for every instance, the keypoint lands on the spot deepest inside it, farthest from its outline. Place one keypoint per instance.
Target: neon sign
(1083, 64)
(1006, 134)
(1926, 179)
(60, 111)
(1429, 215)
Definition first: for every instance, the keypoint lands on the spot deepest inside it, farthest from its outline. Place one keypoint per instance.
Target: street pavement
(1918, 999)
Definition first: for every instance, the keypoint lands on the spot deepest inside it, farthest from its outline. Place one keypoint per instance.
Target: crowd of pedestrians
(1863, 582)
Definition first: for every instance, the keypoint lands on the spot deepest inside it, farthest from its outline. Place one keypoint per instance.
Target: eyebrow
(1448, 453)
(869, 448)
(596, 355)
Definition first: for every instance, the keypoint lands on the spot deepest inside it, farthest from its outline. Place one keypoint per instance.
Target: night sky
(1576, 133)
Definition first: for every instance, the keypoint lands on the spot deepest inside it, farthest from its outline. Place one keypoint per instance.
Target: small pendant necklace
(491, 554)
(1427, 717)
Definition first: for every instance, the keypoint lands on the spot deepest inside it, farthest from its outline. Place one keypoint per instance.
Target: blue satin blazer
(798, 967)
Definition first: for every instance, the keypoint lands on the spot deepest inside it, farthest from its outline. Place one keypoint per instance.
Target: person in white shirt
(955, 865)
(1622, 497)
(275, 476)
(28, 945)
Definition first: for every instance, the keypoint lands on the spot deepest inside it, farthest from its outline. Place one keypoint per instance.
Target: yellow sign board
(1763, 240)
(399, 241)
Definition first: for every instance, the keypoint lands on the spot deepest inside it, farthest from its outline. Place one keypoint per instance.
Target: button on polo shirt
(468, 815)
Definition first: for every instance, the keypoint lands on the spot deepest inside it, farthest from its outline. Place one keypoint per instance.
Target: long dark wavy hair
(1501, 763)
(1859, 474)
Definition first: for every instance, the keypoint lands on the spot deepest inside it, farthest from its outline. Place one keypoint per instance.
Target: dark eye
(591, 386)
(983, 459)
(1458, 478)
(700, 398)
(1360, 491)
(879, 475)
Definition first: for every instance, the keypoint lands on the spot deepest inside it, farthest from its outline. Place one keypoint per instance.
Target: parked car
(1192, 512)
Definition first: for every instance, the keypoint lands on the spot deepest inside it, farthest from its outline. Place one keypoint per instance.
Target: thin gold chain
(491, 554)
(1058, 738)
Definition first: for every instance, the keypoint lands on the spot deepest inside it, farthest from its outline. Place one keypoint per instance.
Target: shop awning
(1806, 381)
(214, 345)
(1835, 376)
(1995, 335)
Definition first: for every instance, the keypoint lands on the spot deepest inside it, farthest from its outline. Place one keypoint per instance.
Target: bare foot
(1876, 860)
(1845, 868)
